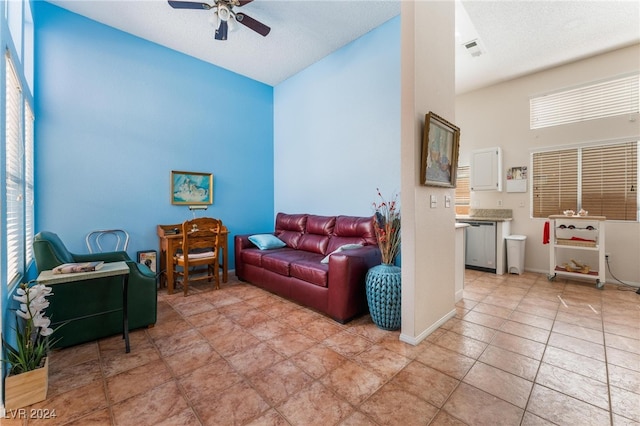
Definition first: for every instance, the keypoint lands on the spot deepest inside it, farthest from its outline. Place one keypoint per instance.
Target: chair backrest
(113, 239)
(200, 234)
(49, 251)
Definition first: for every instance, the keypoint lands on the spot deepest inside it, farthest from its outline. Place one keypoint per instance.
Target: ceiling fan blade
(221, 32)
(188, 5)
(251, 23)
(243, 2)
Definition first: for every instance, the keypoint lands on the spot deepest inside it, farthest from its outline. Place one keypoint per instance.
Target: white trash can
(515, 253)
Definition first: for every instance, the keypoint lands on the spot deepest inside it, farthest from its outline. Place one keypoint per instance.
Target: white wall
(499, 116)
(337, 129)
(428, 234)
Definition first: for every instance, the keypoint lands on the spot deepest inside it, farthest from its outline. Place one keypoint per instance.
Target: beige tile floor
(520, 351)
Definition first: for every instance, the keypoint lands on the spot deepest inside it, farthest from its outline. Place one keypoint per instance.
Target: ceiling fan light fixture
(223, 12)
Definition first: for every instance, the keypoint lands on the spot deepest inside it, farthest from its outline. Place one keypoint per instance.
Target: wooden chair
(200, 238)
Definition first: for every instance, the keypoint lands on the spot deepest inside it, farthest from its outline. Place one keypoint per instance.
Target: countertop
(487, 215)
(483, 218)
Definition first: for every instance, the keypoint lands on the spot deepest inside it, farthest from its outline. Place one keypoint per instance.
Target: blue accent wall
(337, 128)
(115, 114)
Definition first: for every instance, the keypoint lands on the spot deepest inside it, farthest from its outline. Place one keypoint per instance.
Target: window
(29, 193)
(19, 176)
(601, 179)
(463, 194)
(609, 98)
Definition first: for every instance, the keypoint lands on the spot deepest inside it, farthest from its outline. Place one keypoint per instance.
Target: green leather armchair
(92, 309)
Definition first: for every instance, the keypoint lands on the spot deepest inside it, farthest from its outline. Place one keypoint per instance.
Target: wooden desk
(108, 270)
(170, 241)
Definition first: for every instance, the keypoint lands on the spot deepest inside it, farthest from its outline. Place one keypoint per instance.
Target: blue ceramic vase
(383, 286)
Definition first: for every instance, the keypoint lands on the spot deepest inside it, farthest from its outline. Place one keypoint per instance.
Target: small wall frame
(440, 146)
(149, 258)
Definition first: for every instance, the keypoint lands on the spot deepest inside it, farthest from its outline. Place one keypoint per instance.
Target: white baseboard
(419, 338)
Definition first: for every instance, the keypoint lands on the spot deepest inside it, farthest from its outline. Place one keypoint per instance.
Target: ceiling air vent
(473, 47)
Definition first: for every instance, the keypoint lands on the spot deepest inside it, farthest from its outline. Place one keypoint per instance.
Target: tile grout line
(535, 377)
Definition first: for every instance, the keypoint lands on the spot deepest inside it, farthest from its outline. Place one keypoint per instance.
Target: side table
(108, 270)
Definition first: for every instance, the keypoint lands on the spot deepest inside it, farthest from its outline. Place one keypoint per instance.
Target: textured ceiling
(520, 37)
(302, 31)
(516, 37)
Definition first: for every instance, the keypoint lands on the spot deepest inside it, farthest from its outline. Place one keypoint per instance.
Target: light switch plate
(434, 201)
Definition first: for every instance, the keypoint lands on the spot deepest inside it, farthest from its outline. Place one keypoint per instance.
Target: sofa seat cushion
(311, 271)
(280, 261)
(253, 256)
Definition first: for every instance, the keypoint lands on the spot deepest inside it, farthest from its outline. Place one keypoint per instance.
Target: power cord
(630, 287)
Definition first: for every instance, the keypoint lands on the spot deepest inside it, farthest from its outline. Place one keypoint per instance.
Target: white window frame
(19, 169)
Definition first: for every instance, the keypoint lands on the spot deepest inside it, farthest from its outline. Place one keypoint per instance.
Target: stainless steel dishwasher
(480, 252)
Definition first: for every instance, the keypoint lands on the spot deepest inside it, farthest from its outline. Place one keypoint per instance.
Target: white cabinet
(486, 169)
(577, 236)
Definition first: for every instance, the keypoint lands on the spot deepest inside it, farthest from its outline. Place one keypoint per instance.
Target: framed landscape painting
(440, 145)
(191, 188)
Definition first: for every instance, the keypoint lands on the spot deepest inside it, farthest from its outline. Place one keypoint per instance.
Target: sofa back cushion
(290, 227)
(352, 230)
(316, 237)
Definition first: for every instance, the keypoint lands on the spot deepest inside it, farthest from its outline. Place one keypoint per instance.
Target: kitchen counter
(502, 219)
(489, 215)
(483, 219)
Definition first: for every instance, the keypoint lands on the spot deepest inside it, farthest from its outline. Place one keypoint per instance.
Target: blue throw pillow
(267, 241)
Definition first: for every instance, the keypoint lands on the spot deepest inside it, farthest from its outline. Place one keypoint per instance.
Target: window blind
(28, 180)
(609, 181)
(14, 175)
(555, 182)
(463, 192)
(604, 99)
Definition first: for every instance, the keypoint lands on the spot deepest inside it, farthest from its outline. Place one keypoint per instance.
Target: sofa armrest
(240, 242)
(347, 272)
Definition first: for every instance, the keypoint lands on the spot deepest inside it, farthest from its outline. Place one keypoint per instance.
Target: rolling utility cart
(572, 236)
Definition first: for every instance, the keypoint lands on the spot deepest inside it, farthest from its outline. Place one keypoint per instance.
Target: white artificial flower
(24, 308)
(21, 299)
(23, 315)
(46, 331)
(38, 304)
(41, 321)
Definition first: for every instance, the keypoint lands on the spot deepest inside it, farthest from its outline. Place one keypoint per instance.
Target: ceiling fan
(224, 18)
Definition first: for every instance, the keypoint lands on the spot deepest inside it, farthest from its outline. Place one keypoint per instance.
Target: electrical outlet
(499, 203)
(607, 256)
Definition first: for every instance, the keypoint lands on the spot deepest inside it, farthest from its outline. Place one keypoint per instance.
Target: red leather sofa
(296, 272)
